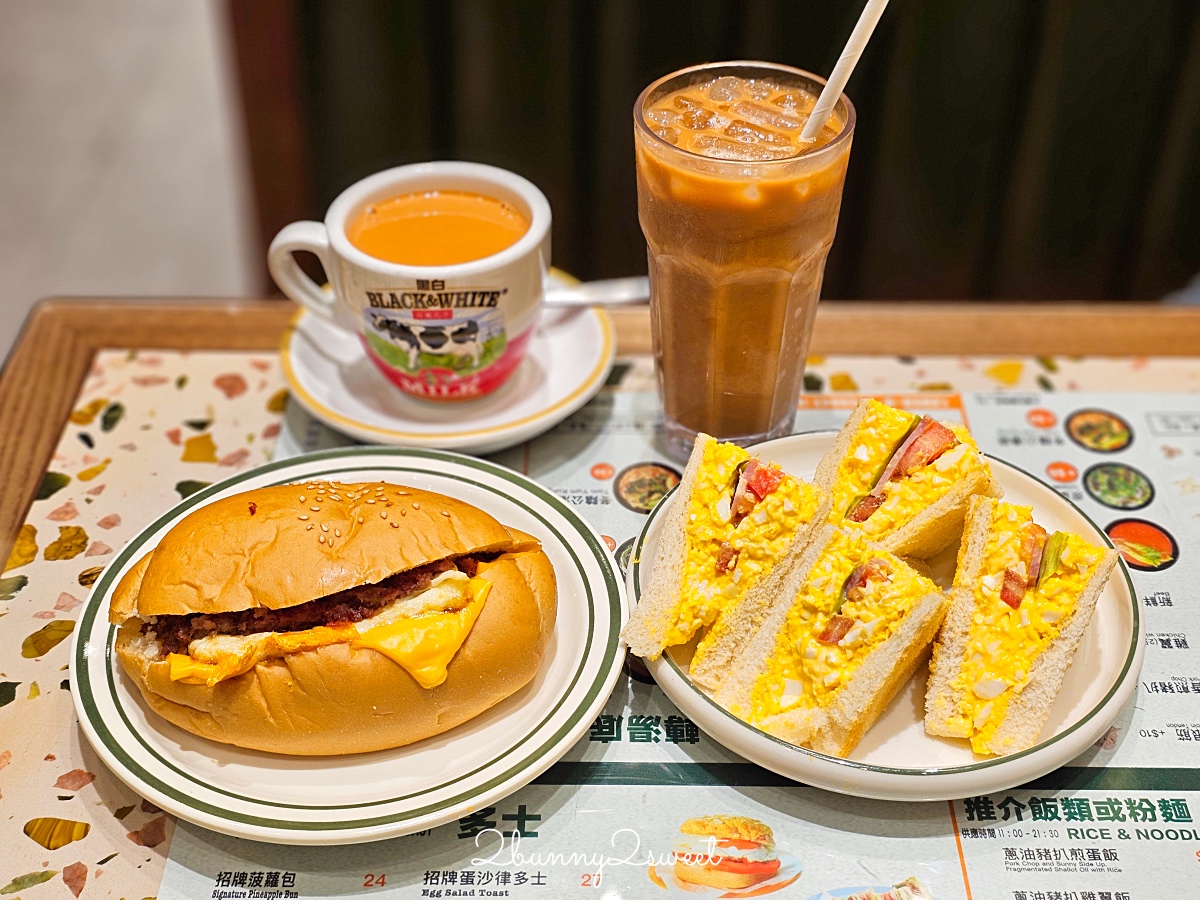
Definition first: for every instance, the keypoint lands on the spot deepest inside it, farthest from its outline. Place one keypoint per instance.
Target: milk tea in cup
(439, 268)
(436, 228)
(739, 216)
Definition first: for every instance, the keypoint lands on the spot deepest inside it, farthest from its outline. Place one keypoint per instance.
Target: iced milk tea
(739, 216)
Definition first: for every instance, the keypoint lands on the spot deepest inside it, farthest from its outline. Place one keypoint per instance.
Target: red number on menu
(590, 880)
(379, 880)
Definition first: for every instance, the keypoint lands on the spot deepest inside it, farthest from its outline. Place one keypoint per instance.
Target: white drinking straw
(844, 68)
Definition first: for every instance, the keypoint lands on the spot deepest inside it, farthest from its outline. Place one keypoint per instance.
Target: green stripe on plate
(529, 735)
(923, 773)
(102, 590)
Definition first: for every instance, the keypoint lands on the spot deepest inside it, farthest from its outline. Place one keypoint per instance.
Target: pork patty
(175, 633)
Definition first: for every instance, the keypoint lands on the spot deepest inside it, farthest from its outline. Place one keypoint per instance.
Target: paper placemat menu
(1119, 437)
(1117, 823)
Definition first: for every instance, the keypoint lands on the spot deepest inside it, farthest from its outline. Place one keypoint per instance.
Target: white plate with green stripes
(369, 796)
(897, 760)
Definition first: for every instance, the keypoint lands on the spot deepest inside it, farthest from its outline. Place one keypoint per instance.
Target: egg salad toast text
(851, 626)
(733, 526)
(903, 480)
(1020, 602)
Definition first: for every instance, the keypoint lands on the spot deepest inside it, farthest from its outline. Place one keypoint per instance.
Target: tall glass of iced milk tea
(739, 216)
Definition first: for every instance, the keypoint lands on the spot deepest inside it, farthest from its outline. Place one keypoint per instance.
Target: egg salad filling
(732, 545)
(421, 633)
(855, 597)
(882, 431)
(880, 439)
(1018, 612)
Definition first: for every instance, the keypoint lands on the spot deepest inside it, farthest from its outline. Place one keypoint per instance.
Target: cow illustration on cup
(458, 344)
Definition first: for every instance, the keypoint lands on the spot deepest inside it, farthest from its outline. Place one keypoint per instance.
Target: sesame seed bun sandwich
(734, 526)
(904, 480)
(326, 618)
(852, 625)
(728, 852)
(1020, 603)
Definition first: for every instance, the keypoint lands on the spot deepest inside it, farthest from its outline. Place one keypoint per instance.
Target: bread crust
(939, 525)
(276, 550)
(827, 468)
(934, 528)
(740, 623)
(654, 614)
(339, 699)
(882, 674)
(335, 699)
(652, 617)
(1027, 713)
(941, 700)
(837, 728)
(734, 692)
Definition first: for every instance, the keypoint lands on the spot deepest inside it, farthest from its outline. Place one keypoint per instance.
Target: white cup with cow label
(438, 267)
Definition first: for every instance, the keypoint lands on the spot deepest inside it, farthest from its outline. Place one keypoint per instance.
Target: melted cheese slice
(420, 633)
(424, 645)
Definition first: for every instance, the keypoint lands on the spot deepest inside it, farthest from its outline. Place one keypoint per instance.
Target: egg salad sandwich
(1019, 605)
(734, 522)
(325, 618)
(727, 852)
(903, 480)
(852, 624)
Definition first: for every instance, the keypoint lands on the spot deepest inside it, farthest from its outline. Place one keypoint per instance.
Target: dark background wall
(1011, 149)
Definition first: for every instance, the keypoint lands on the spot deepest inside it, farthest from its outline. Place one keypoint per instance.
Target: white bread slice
(735, 690)
(1026, 715)
(861, 702)
(733, 631)
(652, 617)
(939, 525)
(836, 729)
(931, 530)
(950, 648)
(827, 468)
(920, 566)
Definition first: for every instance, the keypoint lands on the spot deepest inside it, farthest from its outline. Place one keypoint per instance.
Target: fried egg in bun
(727, 852)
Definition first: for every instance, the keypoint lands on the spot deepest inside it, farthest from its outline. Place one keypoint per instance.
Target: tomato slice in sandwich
(765, 868)
(739, 865)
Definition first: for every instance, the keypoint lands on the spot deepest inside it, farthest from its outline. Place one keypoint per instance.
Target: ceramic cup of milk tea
(438, 267)
(739, 215)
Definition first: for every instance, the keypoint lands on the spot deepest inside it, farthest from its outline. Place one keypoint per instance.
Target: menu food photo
(453, 594)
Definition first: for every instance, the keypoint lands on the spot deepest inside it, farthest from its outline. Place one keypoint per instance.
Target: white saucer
(329, 374)
(897, 760)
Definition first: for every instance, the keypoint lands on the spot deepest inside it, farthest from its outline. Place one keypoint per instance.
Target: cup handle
(292, 280)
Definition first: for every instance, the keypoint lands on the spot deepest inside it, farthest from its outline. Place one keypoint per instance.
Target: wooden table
(41, 378)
